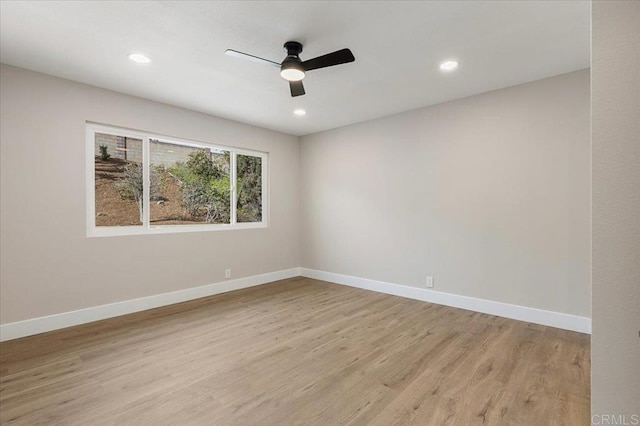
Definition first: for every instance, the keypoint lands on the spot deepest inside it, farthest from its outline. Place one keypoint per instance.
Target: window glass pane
(189, 185)
(249, 187)
(118, 180)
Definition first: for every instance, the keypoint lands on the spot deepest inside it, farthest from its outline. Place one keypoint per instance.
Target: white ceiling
(397, 45)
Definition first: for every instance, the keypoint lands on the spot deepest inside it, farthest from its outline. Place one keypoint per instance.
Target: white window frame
(147, 227)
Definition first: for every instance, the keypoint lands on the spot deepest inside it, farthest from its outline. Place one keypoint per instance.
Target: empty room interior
(320, 213)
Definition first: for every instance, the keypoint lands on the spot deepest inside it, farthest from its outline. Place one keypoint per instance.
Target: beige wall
(488, 194)
(48, 265)
(615, 347)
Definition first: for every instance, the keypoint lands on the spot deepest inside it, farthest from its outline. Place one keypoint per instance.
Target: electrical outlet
(429, 282)
(227, 273)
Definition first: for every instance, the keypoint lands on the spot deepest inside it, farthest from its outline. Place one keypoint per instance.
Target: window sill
(121, 231)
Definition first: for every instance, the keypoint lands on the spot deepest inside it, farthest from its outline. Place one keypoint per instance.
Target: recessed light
(449, 65)
(139, 58)
(300, 112)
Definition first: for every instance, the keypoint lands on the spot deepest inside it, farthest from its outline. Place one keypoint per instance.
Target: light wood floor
(298, 352)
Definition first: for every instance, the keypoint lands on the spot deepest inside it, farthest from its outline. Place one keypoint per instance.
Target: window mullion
(146, 184)
(233, 183)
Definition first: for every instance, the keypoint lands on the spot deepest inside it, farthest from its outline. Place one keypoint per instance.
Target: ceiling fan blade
(251, 58)
(297, 89)
(330, 59)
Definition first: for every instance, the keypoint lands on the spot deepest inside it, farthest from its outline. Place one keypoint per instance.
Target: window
(141, 183)
(189, 184)
(249, 184)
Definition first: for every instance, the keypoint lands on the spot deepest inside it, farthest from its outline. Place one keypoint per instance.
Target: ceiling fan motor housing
(293, 48)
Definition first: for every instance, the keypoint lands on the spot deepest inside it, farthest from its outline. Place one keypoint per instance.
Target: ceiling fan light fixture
(292, 70)
(292, 74)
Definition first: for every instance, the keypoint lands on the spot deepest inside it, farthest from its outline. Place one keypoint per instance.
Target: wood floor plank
(298, 352)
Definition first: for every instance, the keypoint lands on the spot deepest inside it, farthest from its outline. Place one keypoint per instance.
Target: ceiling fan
(293, 69)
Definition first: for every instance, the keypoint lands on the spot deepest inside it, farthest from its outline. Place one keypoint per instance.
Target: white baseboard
(33, 326)
(521, 313)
